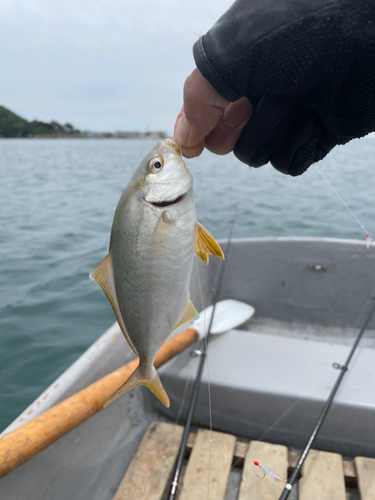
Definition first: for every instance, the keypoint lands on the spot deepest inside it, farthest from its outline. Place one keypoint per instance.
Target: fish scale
(146, 274)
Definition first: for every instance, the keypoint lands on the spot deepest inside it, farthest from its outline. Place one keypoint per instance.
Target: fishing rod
(343, 369)
(198, 377)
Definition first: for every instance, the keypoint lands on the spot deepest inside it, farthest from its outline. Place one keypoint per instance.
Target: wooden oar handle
(31, 438)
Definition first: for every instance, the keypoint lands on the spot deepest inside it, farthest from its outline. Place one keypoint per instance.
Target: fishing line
(206, 355)
(358, 338)
(216, 298)
(343, 369)
(333, 392)
(285, 413)
(205, 323)
(182, 404)
(206, 346)
(206, 349)
(187, 382)
(311, 388)
(330, 398)
(197, 381)
(208, 378)
(342, 201)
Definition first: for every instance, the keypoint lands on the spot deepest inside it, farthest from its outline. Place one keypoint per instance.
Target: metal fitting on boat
(196, 353)
(337, 366)
(317, 267)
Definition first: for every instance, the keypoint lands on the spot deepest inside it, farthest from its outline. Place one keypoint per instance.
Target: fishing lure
(267, 472)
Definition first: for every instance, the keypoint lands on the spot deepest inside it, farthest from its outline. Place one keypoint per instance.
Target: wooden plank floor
(366, 477)
(151, 467)
(209, 466)
(322, 477)
(212, 458)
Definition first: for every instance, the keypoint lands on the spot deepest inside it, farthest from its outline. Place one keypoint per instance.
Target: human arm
(308, 67)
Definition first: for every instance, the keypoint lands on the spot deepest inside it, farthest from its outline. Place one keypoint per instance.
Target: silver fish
(146, 274)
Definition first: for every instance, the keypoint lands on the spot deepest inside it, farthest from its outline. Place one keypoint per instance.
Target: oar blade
(229, 314)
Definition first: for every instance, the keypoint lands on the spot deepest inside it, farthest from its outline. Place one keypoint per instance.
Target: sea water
(57, 199)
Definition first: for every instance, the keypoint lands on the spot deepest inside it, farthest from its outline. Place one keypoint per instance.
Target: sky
(100, 65)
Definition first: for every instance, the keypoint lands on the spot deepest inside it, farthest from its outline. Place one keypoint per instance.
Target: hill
(12, 125)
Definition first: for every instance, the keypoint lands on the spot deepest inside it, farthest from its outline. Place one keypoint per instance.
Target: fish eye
(156, 164)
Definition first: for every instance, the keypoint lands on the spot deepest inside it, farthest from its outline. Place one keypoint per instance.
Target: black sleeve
(308, 66)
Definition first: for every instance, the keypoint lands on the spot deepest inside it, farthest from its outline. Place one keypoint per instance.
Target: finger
(222, 139)
(177, 120)
(202, 111)
(194, 151)
(188, 152)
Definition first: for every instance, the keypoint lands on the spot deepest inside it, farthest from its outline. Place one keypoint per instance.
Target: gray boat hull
(275, 372)
(310, 296)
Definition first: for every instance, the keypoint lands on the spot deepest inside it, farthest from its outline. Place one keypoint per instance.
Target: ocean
(57, 200)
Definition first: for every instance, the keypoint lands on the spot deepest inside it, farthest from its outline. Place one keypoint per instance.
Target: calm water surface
(57, 199)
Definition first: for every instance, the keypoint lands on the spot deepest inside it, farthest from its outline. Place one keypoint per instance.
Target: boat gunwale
(53, 395)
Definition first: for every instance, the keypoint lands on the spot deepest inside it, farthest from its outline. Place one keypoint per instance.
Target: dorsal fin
(205, 244)
(189, 313)
(103, 276)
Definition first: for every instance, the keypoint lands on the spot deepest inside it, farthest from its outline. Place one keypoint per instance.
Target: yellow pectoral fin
(153, 382)
(189, 313)
(205, 244)
(103, 276)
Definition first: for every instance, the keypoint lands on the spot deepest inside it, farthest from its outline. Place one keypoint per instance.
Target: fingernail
(236, 113)
(182, 131)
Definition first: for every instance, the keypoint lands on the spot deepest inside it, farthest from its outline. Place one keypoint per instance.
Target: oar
(26, 441)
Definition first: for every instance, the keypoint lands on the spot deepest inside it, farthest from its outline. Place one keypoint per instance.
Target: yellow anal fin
(205, 244)
(189, 313)
(153, 382)
(103, 276)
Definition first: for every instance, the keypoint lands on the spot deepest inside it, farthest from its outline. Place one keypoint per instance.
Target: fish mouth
(163, 204)
(172, 143)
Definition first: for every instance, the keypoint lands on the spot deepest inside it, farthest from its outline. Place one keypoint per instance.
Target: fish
(146, 274)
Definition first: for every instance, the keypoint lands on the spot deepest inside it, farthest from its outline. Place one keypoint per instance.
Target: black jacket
(308, 66)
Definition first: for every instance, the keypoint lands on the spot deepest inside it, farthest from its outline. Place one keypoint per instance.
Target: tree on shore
(12, 125)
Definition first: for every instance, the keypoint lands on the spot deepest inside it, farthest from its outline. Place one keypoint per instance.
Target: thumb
(201, 111)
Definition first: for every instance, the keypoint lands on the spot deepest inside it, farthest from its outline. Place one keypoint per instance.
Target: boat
(268, 379)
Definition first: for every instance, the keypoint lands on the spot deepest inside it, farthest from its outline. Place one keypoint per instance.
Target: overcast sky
(101, 65)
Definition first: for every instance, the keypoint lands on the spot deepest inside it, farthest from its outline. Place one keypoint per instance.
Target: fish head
(162, 177)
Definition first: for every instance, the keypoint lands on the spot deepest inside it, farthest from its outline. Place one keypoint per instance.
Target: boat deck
(312, 332)
(270, 380)
(220, 467)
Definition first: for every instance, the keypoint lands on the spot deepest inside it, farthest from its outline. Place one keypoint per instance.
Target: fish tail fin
(138, 377)
(156, 387)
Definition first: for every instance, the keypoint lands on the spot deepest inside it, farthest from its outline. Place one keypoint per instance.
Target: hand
(207, 120)
(306, 66)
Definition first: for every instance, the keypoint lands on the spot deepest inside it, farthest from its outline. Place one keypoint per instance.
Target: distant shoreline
(13, 126)
(143, 138)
